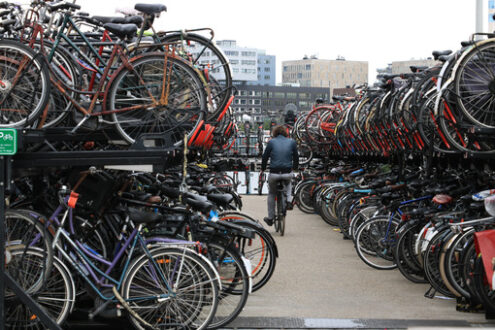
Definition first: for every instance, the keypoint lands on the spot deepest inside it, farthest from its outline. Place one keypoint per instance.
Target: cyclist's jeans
(272, 190)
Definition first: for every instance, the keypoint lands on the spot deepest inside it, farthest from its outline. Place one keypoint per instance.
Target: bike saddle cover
(480, 196)
(442, 199)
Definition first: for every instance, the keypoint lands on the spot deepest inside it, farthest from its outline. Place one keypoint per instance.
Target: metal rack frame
(137, 154)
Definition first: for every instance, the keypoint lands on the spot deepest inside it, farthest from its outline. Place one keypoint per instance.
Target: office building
(330, 74)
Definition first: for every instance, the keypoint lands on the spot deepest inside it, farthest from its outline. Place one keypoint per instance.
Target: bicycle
(281, 207)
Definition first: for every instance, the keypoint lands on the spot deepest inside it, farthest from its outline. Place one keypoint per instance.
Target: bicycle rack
(137, 154)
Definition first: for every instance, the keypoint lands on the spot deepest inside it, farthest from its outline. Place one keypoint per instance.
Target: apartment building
(250, 66)
(330, 74)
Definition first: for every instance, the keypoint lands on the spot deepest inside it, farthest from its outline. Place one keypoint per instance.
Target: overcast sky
(377, 31)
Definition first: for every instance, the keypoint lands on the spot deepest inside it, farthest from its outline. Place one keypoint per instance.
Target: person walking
(284, 158)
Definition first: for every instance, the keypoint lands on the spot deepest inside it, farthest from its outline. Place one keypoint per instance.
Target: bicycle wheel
(161, 96)
(474, 84)
(405, 255)
(375, 240)
(24, 84)
(431, 261)
(453, 263)
(56, 296)
(261, 250)
(235, 284)
(23, 231)
(192, 300)
(205, 55)
(359, 218)
(304, 201)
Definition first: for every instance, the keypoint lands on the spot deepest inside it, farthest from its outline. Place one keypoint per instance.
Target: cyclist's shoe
(268, 221)
(290, 206)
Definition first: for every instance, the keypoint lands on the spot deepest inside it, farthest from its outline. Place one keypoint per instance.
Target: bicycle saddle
(201, 206)
(122, 31)
(108, 19)
(61, 6)
(220, 199)
(437, 53)
(139, 216)
(150, 9)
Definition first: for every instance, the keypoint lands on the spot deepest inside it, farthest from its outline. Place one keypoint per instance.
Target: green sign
(8, 141)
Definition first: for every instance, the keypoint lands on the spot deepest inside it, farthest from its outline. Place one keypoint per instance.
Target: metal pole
(2, 240)
(480, 18)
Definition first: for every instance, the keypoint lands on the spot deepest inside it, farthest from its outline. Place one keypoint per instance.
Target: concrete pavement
(319, 276)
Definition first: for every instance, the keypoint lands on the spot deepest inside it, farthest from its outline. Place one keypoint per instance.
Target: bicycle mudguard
(484, 242)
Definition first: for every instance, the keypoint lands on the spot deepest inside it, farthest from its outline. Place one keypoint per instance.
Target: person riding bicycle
(283, 155)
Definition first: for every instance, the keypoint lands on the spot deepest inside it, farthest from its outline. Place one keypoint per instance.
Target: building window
(234, 62)
(267, 69)
(291, 95)
(231, 53)
(267, 62)
(244, 93)
(246, 53)
(279, 95)
(308, 66)
(299, 76)
(286, 68)
(267, 77)
(257, 102)
(235, 70)
(248, 62)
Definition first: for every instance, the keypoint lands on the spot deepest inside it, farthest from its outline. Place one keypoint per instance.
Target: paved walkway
(319, 277)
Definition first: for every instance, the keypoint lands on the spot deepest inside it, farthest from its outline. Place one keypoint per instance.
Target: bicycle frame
(93, 275)
(62, 86)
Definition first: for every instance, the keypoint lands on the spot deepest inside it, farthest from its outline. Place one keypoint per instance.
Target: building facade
(405, 66)
(249, 65)
(266, 70)
(270, 103)
(330, 74)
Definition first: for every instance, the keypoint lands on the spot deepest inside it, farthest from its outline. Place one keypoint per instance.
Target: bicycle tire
(235, 284)
(198, 276)
(25, 85)
(223, 76)
(48, 296)
(184, 97)
(369, 239)
(473, 70)
(263, 256)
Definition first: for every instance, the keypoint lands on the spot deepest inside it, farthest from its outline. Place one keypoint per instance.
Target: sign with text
(8, 141)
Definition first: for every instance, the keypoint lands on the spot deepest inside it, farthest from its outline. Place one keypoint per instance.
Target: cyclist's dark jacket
(283, 155)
